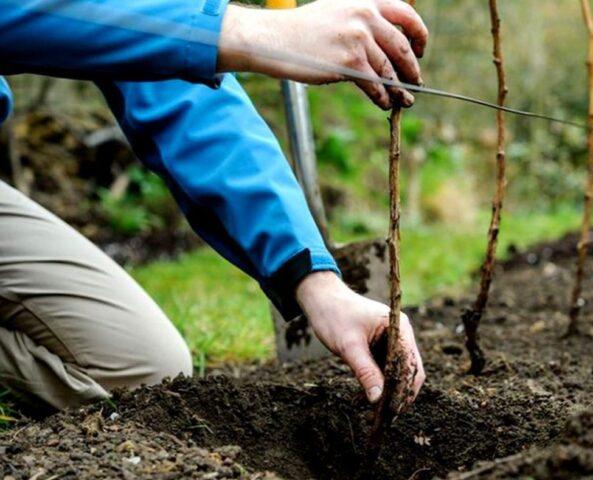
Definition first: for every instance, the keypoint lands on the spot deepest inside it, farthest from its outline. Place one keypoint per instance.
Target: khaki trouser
(73, 324)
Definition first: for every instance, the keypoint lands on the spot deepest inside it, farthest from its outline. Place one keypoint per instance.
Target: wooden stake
(576, 300)
(471, 318)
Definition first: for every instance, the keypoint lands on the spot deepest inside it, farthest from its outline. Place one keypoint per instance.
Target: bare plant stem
(384, 412)
(576, 300)
(472, 317)
(396, 390)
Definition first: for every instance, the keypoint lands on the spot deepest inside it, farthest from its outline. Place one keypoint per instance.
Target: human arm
(166, 39)
(228, 174)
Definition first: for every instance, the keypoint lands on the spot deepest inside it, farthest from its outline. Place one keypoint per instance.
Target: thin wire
(86, 11)
(483, 103)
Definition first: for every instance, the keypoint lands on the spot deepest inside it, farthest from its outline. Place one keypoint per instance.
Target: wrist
(245, 31)
(317, 288)
(232, 34)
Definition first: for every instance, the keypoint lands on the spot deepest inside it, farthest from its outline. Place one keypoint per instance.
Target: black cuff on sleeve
(280, 287)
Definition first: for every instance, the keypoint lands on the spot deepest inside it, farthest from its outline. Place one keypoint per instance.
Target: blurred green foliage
(545, 47)
(144, 205)
(545, 50)
(220, 311)
(334, 151)
(412, 127)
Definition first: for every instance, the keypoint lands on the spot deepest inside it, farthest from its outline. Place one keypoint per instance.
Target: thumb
(359, 358)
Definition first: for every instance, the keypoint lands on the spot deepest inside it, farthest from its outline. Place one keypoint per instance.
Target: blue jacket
(196, 129)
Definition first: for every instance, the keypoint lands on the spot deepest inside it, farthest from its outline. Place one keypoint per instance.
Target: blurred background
(62, 148)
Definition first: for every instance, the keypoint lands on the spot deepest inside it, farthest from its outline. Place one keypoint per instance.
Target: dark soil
(310, 421)
(570, 457)
(83, 445)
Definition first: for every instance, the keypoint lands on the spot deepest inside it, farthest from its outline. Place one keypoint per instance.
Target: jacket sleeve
(229, 176)
(112, 39)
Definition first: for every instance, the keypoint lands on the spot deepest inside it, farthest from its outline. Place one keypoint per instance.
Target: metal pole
(302, 147)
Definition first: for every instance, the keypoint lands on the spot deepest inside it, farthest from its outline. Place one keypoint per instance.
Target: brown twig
(576, 300)
(399, 377)
(471, 318)
(384, 412)
(396, 389)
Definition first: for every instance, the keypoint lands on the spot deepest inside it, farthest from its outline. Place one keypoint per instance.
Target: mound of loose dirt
(569, 458)
(94, 445)
(310, 421)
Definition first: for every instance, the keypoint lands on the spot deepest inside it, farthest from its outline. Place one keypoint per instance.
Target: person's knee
(166, 355)
(144, 354)
(172, 360)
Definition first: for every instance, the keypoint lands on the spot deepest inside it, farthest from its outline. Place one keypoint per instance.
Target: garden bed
(528, 413)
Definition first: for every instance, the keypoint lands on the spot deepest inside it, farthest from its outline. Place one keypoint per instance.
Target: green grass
(218, 309)
(7, 415)
(439, 260)
(224, 316)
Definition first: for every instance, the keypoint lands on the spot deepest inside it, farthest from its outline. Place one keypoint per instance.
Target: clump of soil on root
(310, 420)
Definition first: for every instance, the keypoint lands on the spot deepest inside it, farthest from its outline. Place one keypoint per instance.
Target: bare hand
(348, 323)
(381, 38)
